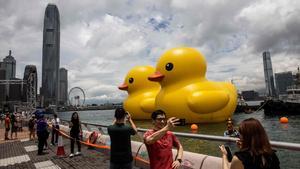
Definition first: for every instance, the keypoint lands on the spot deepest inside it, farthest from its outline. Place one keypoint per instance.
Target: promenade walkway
(22, 154)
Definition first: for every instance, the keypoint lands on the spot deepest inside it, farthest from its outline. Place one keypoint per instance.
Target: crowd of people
(254, 149)
(254, 152)
(13, 123)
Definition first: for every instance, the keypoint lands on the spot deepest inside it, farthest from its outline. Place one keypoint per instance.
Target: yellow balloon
(140, 102)
(186, 93)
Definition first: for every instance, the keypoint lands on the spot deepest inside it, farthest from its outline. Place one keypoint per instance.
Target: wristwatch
(179, 160)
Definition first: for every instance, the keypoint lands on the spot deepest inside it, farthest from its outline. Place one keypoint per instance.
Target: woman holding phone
(255, 149)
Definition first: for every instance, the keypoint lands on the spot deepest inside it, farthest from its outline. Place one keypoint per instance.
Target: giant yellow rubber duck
(141, 92)
(186, 93)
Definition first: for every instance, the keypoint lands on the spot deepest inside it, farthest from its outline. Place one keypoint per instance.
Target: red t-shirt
(7, 122)
(160, 153)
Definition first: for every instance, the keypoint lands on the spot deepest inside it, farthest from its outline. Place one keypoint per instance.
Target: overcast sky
(101, 40)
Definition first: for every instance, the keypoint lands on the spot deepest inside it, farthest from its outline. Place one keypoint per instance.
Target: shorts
(32, 130)
(7, 129)
(14, 129)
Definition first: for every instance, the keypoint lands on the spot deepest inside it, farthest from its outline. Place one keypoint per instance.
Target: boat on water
(247, 107)
(288, 104)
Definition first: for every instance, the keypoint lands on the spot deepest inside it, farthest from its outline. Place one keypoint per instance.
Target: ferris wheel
(76, 97)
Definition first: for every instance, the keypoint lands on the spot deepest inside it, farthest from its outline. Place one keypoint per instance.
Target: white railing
(277, 144)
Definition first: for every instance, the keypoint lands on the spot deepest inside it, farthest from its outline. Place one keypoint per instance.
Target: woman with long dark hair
(255, 149)
(75, 131)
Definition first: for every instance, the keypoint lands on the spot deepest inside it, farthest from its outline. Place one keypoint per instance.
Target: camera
(181, 122)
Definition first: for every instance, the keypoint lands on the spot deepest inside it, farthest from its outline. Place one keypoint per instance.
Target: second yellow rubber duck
(141, 92)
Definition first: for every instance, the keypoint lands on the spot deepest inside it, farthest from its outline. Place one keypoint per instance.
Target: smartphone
(126, 114)
(181, 122)
(229, 154)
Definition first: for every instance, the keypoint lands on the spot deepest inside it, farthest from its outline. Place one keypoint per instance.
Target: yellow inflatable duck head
(141, 92)
(186, 93)
(179, 64)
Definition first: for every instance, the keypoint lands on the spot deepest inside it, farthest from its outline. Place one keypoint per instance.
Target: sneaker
(71, 155)
(42, 153)
(78, 153)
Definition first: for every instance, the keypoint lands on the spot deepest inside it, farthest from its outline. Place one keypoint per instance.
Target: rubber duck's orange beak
(123, 86)
(157, 77)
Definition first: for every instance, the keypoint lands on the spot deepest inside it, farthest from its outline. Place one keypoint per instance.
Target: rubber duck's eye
(169, 66)
(131, 80)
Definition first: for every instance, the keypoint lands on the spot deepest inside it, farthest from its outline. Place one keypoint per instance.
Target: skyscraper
(10, 66)
(283, 81)
(269, 77)
(50, 65)
(63, 86)
(2, 86)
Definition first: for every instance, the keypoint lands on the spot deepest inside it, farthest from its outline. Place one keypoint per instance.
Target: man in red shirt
(7, 126)
(160, 141)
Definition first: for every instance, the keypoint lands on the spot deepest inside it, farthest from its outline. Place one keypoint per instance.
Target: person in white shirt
(55, 127)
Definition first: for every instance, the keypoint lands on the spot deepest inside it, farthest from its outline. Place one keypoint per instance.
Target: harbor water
(289, 132)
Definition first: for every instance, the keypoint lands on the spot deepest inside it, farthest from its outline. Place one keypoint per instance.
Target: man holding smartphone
(160, 141)
(119, 132)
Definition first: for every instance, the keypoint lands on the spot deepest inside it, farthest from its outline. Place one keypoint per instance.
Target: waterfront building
(283, 81)
(2, 86)
(15, 90)
(63, 86)
(250, 95)
(50, 60)
(2, 71)
(9, 63)
(269, 77)
(2, 67)
(7, 72)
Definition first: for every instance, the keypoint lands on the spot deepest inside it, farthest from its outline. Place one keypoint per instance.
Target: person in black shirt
(119, 132)
(255, 149)
(75, 131)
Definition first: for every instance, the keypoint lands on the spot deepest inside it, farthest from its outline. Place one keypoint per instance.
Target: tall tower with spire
(10, 66)
(50, 61)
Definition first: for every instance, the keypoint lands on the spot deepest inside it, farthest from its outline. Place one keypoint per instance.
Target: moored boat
(288, 104)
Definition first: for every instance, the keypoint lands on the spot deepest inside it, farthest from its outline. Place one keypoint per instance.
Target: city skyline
(102, 41)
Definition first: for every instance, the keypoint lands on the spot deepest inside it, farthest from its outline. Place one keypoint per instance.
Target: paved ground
(22, 154)
(20, 135)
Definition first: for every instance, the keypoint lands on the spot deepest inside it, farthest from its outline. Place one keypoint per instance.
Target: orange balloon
(284, 120)
(194, 127)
